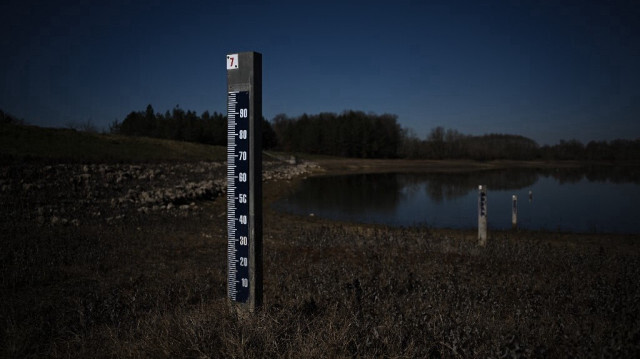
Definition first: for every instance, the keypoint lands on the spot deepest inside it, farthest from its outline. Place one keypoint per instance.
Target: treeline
(451, 144)
(177, 124)
(349, 134)
(9, 119)
(366, 135)
(616, 150)
(181, 125)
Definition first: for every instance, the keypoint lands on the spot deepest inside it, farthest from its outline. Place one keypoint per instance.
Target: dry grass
(19, 142)
(154, 285)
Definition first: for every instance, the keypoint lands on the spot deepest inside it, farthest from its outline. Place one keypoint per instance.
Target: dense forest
(443, 144)
(448, 144)
(362, 135)
(183, 125)
(367, 135)
(349, 134)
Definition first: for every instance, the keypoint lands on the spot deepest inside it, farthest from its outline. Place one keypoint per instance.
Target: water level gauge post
(482, 215)
(244, 180)
(514, 212)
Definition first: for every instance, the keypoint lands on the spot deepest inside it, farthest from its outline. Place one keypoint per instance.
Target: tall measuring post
(244, 180)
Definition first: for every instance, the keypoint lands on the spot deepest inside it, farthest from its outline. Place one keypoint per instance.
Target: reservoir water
(573, 200)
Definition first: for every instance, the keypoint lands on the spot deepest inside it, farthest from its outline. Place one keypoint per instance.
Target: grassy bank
(30, 142)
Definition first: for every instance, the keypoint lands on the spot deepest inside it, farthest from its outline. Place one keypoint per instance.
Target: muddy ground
(129, 260)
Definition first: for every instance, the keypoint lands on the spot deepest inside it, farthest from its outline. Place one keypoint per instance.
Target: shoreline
(347, 165)
(331, 167)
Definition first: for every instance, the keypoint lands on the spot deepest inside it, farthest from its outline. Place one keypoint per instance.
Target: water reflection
(446, 186)
(352, 193)
(577, 199)
(594, 173)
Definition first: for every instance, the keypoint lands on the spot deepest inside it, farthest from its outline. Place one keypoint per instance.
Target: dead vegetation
(152, 283)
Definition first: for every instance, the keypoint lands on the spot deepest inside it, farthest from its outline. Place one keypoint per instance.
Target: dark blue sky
(548, 70)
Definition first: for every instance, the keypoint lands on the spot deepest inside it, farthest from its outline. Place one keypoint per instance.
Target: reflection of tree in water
(565, 175)
(383, 192)
(595, 173)
(352, 193)
(447, 186)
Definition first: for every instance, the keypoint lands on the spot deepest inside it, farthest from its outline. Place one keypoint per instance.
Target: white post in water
(482, 215)
(514, 212)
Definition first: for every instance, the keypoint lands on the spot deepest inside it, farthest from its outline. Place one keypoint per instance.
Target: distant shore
(348, 165)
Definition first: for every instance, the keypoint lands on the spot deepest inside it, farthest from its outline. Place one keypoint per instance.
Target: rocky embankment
(72, 194)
